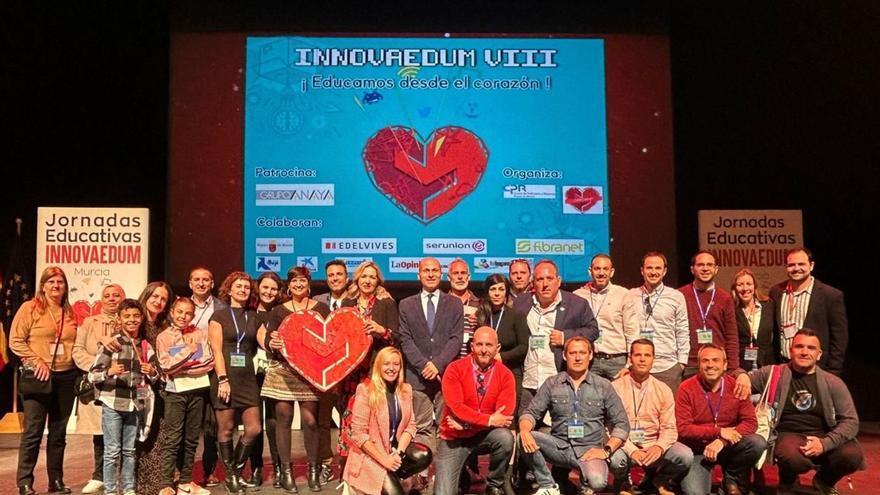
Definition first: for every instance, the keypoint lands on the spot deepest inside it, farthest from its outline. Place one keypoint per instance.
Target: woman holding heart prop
(373, 302)
(286, 386)
(232, 333)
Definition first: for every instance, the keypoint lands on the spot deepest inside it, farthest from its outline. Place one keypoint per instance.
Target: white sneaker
(93, 486)
(553, 490)
(192, 488)
(130, 493)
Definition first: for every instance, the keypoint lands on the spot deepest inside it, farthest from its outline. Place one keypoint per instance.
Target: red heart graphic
(324, 353)
(82, 309)
(428, 180)
(582, 199)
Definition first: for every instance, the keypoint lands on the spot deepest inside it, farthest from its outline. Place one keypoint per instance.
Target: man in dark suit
(802, 301)
(337, 282)
(431, 328)
(553, 316)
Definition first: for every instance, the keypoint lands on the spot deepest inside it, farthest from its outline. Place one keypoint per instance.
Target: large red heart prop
(82, 309)
(324, 352)
(425, 180)
(582, 199)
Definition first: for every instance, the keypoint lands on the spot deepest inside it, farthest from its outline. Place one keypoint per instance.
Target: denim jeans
(120, 432)
(608, 367)
(736, 461)
(452, 454)
(675, 462)
(593, 473)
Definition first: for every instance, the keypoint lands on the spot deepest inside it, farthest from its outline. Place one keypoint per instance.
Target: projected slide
(393, 149)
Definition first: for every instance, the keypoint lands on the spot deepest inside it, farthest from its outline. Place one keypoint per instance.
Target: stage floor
(78, 467)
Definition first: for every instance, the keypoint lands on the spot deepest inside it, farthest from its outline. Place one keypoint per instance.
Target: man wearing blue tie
(431, 328)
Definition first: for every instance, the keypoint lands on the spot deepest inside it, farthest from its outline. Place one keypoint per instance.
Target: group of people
(652, 377)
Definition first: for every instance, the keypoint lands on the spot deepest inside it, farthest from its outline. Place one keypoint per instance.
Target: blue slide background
(559, 127)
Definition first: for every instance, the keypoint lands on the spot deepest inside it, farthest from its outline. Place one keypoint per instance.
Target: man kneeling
(580, 405)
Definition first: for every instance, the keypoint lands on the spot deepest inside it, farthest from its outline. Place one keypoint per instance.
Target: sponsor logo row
(395, 264)
(388, 245)
(576, 200)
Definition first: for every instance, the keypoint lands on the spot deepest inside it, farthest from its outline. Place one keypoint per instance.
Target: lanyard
(596, 311)
(239, 335)
(637, 406)
(574, 403)
(712, 409)
(498, 323)
(750, 316)
(144, 358)
(208, 304)
(649, 308)
(396, 416)
(704, 314)
(58, 328)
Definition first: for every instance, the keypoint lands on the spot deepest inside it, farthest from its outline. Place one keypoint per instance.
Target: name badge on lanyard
(704, 336)
(575, 427)
(142, 393)
(237, 359)
(647, 333)
(751, 353)
(538, 342)
(637, 435)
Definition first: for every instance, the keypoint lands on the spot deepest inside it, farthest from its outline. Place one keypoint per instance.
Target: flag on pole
(16, 289)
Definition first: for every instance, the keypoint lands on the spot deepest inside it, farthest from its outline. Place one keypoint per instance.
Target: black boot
(233, 484)
(276, 466)
(288, 483)
(57, 486)
(256, 477)
(314, 477)
(26, 490)
(242, 454)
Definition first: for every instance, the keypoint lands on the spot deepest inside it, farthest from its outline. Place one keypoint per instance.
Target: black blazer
(384, 313)
(826, 315)
(574, 317)
(513, 335)
(767, 339)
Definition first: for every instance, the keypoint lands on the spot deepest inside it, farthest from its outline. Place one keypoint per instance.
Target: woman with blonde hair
(383, 426)
(755, 321)
(42, 336)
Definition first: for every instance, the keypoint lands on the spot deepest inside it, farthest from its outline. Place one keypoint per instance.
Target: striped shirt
(119, 392)
(794, 306)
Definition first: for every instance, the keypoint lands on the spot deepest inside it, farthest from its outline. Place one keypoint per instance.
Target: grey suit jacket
(419, 345)
(325, 298)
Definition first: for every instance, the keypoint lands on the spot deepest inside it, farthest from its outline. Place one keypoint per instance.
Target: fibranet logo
(386, 245)
(454, 246)
(295, 194)
(560, 247)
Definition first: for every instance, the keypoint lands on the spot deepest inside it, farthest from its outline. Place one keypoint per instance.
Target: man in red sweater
(711, 313)
(717, 426)
(480, 396)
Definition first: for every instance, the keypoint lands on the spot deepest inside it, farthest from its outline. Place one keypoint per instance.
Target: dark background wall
(774, 107)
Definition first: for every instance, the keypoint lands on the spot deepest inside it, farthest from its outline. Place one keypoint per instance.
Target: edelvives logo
(377, 245)
(295, 195)
(454, 246)
(560, 247)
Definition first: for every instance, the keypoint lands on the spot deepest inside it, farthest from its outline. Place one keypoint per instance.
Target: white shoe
(93, 486)
(192, 488)
(553, 490)
(130, 493)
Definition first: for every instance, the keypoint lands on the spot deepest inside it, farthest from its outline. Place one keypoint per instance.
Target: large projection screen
(391, 149)
(293, 150)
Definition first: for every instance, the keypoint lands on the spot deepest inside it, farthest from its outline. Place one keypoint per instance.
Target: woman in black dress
(232, 334)
(755, 321)
(268, 288)
(148, 451)
(285, 386)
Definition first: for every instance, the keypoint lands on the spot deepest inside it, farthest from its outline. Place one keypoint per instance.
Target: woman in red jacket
(383, 426)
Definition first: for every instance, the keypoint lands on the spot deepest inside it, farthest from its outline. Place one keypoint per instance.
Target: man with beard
(803, 301)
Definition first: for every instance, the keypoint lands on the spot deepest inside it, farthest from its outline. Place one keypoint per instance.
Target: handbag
(765, 413)
(84, 389)
(27, 378)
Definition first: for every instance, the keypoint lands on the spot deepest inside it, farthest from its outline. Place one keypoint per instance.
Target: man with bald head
(431, 328)
(480, 396)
